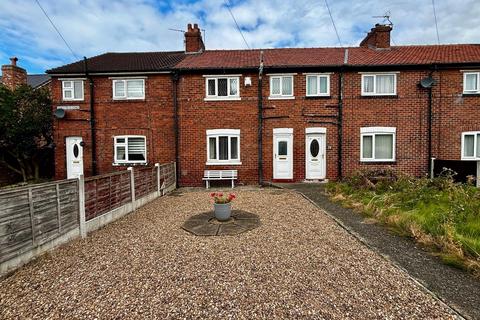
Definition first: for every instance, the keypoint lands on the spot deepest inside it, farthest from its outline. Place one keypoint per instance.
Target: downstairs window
(223, 146)
(130, 149)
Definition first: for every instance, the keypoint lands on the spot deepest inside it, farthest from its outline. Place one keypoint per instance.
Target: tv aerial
(386, 18)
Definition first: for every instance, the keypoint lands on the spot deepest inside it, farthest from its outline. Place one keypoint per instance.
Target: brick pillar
(12, 75)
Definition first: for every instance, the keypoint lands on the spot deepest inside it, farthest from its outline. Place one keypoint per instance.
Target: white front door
(315, 156)
(283, 153)
(74, 157)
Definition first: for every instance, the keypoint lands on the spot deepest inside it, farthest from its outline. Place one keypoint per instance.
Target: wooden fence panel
(145, 181)
(106, 192)
(33, 215)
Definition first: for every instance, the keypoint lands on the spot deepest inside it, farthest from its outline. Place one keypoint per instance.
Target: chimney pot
(13, 61)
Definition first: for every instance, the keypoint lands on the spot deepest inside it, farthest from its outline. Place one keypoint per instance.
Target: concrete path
(456, 287)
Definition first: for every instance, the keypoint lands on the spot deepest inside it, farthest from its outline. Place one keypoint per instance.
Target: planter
(223, 211)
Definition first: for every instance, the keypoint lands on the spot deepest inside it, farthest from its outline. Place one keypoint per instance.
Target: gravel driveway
(297, 264)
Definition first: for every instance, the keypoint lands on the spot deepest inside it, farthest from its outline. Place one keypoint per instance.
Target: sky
(92, 27)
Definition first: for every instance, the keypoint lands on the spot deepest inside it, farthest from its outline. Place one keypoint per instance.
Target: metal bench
(220, 175)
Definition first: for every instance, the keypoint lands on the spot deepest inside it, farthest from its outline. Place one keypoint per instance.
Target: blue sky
(92, 27)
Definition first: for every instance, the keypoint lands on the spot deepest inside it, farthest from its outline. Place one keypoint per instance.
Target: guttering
(92, 118)
(120, 73)
(175, 78)
(260, 121)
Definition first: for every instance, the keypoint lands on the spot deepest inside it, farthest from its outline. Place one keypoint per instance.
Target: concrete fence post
(132, 186)
(81, 205)
(175, 175)
(478, 174)
(157, 166)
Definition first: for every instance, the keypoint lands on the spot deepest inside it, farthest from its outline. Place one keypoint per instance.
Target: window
(223, 146)
(129, 89)
(471, 145)
(222, 88)
(281, 87)
(471, 82)
(318, 85)
(72, 90)
(384, 84)
(377, 144)
(130, 149)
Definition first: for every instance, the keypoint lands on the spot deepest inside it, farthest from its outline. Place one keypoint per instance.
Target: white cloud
(92, 27)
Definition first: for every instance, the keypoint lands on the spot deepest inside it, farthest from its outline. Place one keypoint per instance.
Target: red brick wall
(407, 112)
(152, 117)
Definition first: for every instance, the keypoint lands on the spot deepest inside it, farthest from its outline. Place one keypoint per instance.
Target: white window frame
(125, 85)
(372, 132)
(465, 91)
(72, 89)
(125, 144)
(282, 77)
(216, 133)
(216, 97)
(374, 93)
(318, 75)
(470, 133)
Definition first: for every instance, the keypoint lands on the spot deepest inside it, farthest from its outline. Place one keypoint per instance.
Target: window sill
(378, 161)
(223, 163)
(473, 94)
(222, 99)
(73, 100)
(128, 99)
(379, 96)
(129, 164)
(470, 159)
(318, 97)
(281, 98)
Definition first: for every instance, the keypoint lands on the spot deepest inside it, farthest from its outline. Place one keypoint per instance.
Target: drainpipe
(340, 116)
(340, 123)
(430, 121)
(92, 118)
(175, 78)
(260, 121)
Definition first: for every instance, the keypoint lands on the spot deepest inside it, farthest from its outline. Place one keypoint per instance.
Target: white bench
(220, 175)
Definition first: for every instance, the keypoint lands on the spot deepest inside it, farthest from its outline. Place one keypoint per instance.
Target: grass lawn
(439, 213)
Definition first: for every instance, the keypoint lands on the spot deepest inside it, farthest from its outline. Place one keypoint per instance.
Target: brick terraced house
(290, 114)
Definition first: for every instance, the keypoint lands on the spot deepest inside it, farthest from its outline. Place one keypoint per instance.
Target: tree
(26, 138)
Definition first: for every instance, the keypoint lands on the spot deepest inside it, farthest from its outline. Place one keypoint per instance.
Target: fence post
(478, 174)
(59, 216)
(175, 175)
(81, 205)
(157, 166)
(132, 187)
(432, 163)
(32, 220)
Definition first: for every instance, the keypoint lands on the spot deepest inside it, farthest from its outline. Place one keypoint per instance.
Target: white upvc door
(315, 155)
(283, 153)
(74, 154)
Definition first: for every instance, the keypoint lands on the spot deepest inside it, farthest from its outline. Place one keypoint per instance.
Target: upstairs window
(72, 90)
(130, 149)
(471, 145)
(129, 89)
(222, 88)
(377, 144)
(471, 82)
(384, 84)
(223, 146)
(281, 87)
(318, 85)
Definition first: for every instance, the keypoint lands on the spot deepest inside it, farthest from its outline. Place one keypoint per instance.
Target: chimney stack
(12, 75)
(193, 39)
(378, 37)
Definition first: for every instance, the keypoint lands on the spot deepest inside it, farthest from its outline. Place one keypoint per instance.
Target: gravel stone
(298, 264)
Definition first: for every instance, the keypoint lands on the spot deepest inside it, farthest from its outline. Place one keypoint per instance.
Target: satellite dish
(427, 82)
(59, 113)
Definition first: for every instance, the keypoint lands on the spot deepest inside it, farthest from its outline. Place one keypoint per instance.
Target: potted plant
(222, 205)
